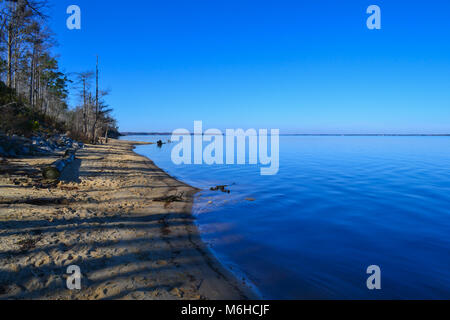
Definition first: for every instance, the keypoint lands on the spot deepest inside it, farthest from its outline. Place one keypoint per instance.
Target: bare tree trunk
(10, 44)
(106, 135)
(84, 107)
(96, 104)
(32, 76)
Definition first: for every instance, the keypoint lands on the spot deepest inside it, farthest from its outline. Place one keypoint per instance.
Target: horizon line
(131, 133)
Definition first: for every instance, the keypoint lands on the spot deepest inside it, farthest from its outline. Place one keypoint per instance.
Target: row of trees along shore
(34, 92)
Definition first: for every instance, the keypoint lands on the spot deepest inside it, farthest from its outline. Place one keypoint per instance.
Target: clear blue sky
(300, 66)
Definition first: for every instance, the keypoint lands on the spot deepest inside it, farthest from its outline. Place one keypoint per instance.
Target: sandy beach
(122, 220)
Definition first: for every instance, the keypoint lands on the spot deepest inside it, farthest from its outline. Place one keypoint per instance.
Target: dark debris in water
(220, 188)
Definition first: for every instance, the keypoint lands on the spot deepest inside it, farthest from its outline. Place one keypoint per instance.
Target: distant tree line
(33, 90)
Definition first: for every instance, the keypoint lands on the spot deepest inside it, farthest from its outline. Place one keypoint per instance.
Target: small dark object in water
(221, 188)
(160, 143)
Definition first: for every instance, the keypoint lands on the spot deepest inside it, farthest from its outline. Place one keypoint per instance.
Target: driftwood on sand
(173, 198)
(53, 172)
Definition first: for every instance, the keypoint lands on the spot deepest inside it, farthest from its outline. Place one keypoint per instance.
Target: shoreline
(111, 216)
(246, 285)
(246, 292)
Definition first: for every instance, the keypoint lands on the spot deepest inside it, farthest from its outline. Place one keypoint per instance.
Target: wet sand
(122, 220)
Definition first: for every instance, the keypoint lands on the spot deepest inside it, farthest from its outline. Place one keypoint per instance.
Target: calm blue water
(337, 206)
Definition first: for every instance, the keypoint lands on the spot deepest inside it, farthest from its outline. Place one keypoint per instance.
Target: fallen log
(53, 171)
